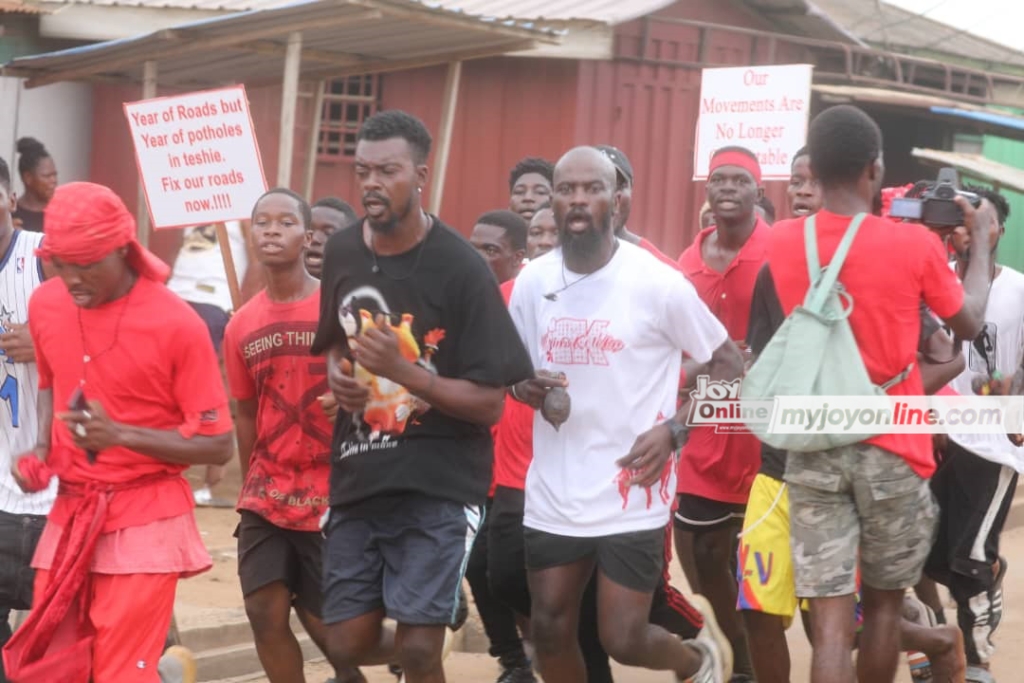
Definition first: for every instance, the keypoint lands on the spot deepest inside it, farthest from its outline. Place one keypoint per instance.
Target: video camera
(935, 207)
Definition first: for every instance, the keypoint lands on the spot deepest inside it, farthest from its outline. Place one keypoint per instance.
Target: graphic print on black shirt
(446, 310)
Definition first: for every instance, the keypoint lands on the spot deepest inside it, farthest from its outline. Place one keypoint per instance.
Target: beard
(391, 219)
(587, 244)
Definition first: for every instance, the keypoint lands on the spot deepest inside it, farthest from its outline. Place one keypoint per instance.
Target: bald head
(585, 201)
(591, 158)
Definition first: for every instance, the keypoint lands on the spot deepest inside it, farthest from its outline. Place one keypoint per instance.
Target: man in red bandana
(716, 470)
(128, 370)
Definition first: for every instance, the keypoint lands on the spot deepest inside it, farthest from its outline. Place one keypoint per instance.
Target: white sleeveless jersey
(20, 274)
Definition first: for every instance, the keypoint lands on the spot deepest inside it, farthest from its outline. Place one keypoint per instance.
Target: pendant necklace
(416, 264)
(87, 357)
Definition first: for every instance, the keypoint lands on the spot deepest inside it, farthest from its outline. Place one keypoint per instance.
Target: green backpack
(814, 352)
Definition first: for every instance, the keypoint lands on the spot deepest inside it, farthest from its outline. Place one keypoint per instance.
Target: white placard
(198, 157)
(762, 108)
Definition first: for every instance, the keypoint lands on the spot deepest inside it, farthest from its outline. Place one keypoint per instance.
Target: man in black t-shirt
(420, 348)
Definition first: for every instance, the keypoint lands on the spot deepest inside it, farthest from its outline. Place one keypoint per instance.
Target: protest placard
(198, 157)
(762, 108)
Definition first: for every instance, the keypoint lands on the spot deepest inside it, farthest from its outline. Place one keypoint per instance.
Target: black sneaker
(517, 674)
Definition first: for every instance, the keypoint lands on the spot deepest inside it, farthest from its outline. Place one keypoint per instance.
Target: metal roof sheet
(975, 166)
(16, 7)
(602, 11)
(973, 116)
(340, 37)
(898, 30)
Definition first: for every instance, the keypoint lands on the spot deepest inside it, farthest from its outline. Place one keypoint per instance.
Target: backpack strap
(898, 378)
(822, 283)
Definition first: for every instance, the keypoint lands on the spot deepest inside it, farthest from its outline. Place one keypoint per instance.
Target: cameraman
(885, 522)
(975, 482)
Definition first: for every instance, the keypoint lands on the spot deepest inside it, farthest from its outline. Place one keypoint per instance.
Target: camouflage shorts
(857, 501)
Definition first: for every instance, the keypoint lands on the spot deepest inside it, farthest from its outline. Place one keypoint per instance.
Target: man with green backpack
(858, 501)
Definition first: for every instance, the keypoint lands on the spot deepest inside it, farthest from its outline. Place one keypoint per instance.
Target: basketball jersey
(20, 274)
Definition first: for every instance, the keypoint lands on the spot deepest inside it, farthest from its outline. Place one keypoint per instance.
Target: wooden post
(289, 99)
(224, 242)
(142, 210)
(444, 145)
(314, 140)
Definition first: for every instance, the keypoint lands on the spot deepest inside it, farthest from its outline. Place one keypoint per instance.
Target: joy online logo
(717, 403)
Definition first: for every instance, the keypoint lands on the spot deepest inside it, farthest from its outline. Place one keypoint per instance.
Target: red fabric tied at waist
(55, 642)
(35, 473)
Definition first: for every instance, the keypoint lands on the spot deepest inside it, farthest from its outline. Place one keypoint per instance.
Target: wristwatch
(680, 434)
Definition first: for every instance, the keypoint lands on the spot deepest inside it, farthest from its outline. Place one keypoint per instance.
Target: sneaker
(203, 496)
(711, 666)
(976, 674)
(517, 674)
(711, 635)
(177, 665)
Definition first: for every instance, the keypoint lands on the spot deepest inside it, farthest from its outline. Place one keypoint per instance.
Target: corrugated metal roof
(603, 11)
(978, 118)
(898, 30)
(975, 166)
(15, 7)
(339, 37)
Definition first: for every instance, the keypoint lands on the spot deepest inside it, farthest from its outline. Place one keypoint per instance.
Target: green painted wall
(1011, 153)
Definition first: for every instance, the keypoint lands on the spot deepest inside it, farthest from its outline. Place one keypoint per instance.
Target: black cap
(621, 161)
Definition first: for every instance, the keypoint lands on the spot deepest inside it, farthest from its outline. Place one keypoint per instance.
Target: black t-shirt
(767, 316)
(31, 221)
(448, 313)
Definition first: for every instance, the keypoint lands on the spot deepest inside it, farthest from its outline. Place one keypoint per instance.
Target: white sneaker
(714, 646)
(203, 496)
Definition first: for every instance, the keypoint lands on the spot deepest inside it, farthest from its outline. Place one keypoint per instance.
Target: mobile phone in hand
(79, 403)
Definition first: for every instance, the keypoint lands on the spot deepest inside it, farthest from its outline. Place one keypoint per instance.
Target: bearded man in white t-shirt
(976, 480)
(606, 321)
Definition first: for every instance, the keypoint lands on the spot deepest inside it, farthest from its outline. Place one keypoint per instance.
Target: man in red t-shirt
(145, 402)
(500, 238)
(284, 439)
(868, 507)
(716, 470)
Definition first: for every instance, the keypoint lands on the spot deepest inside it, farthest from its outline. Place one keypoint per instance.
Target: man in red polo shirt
(717, 469)
(145, 402)
(868, 507)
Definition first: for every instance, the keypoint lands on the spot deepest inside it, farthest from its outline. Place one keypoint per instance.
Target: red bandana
(732, 158)
(85, 222)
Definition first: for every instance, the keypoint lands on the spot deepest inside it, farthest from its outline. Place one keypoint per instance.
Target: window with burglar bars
(347, 103)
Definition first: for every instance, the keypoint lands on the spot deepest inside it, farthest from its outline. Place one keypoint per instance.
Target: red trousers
(131, 614)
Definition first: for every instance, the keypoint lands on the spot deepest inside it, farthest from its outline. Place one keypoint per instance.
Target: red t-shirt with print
(890, 268)
(266, 353)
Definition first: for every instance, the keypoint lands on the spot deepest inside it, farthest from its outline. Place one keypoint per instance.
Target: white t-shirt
(618, 335)
(199, 276)
(1002, 344)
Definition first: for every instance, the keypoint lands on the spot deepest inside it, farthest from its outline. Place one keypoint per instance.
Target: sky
(998, 20)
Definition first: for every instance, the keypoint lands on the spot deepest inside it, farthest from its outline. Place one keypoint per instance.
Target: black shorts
(268, 553)
(974, 497)
(634, 559)
(405, 553)
(19, 535)
(696, 514)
